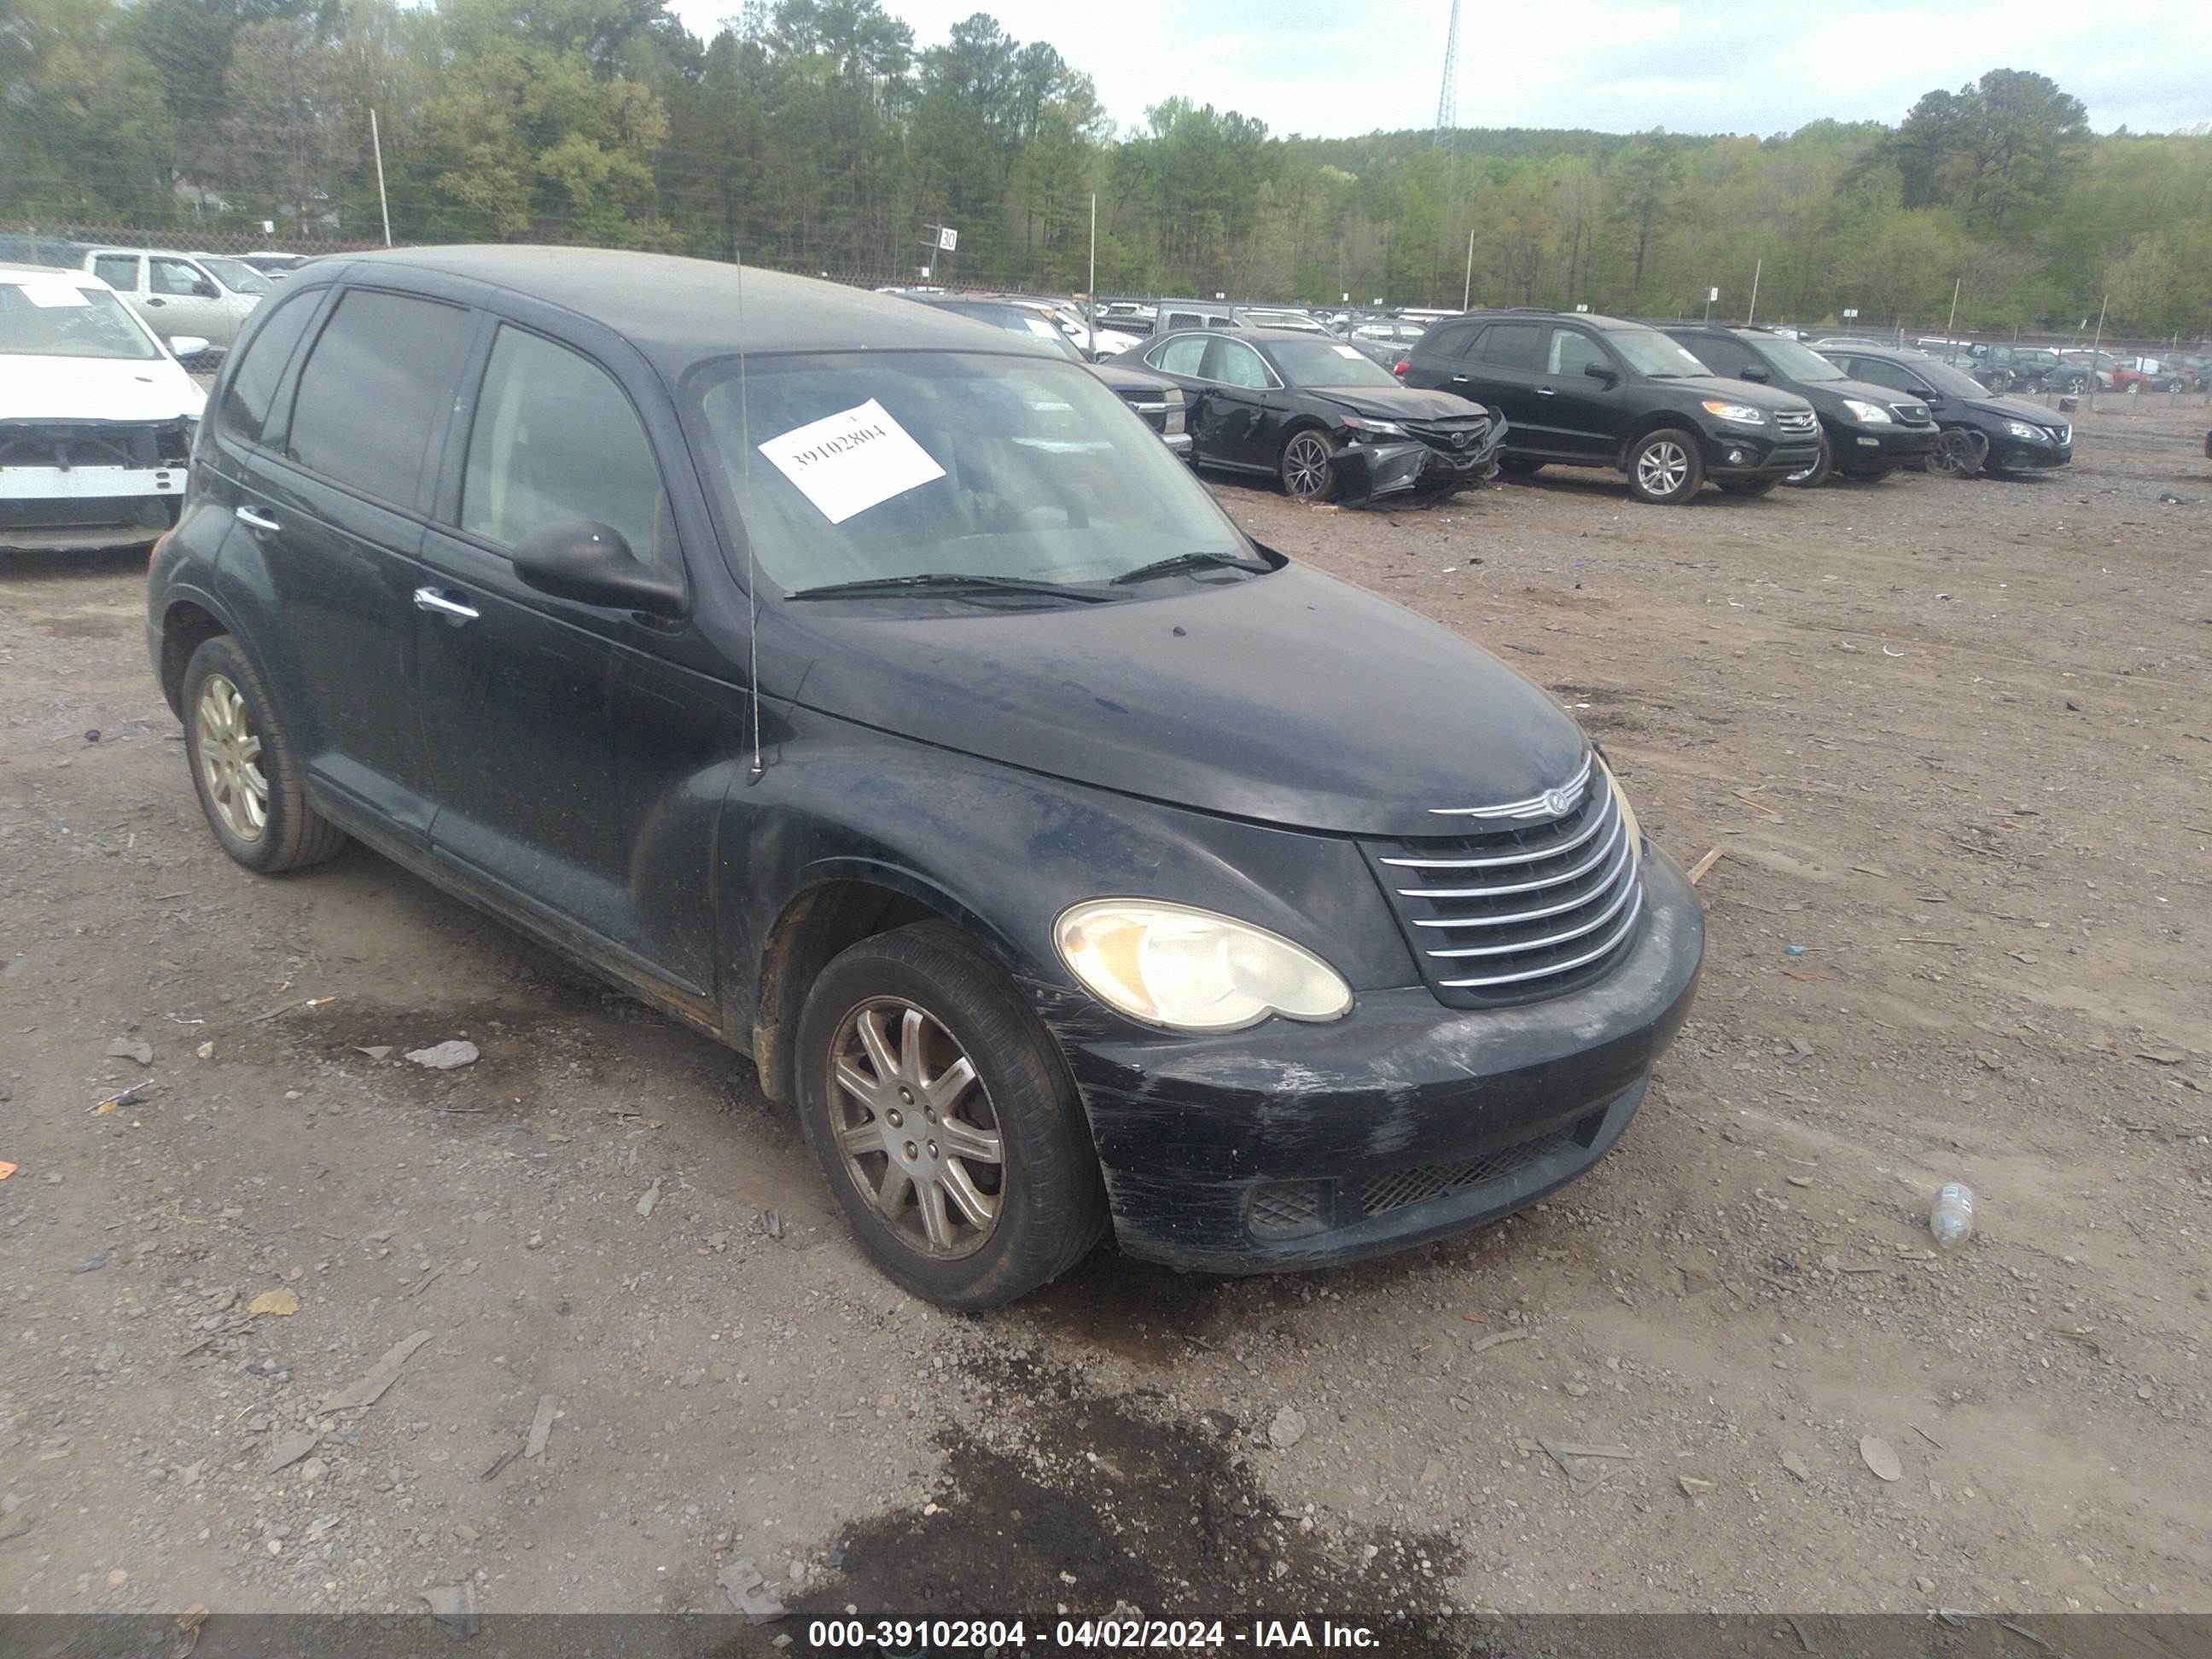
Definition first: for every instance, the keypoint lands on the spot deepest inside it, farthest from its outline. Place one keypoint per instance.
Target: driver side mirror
(1600, 372)
(591, 563)
(187, 345)
(1755, 372)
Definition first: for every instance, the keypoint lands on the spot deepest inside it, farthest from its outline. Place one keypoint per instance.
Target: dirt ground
(1952, 740)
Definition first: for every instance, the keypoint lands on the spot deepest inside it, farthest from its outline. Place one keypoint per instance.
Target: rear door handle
(156, 300)
(257, 519)
(1461, 380)
(1545, 391)
(430, 598)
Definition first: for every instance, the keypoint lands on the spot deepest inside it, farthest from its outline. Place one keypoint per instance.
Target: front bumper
(1888, 444)
(49, 508)
(1399, 466)
(1751, 454)
(1294, 1145)
(2011, 455)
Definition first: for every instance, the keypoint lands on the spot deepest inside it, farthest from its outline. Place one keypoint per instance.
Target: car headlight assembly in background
(2021, 429)
(1867, 413)
(1192, 970)
(1741, 414)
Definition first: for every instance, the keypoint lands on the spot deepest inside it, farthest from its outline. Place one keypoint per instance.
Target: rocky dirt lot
(1952, 741)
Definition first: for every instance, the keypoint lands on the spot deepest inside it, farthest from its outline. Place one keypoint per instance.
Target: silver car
(203, 295)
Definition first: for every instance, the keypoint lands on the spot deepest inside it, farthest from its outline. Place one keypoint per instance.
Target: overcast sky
(1334, 67)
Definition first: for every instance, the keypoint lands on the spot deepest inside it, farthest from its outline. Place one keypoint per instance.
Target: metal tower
(1448, 98)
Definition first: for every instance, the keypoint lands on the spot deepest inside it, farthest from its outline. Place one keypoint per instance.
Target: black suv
(1980, 430)
(1598, 391)
(875, 693)
(1867, 431)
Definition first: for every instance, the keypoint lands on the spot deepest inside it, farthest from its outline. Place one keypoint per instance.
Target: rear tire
(1308, 466)
(888, 1117)
(1664, 468)
(244, 769)
(1817, 474)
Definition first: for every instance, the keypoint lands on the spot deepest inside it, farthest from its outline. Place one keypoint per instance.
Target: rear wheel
(1663, 468)
(945, 1121)
(1309, 466)
(1958, 453)
(1812, 476)
(245, 768)
(2000, 382)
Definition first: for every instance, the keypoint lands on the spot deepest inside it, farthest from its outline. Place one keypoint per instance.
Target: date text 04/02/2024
(982, 1638)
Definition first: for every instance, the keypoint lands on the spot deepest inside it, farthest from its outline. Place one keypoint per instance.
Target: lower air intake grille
(1394, 1191)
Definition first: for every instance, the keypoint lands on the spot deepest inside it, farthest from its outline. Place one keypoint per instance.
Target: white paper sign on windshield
(848, 462)
(1347, 351)
(52, 294)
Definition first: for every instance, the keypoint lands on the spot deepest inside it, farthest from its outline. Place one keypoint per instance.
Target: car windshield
(236, 275)
(52, 317)
(1788, 358)
(1651, 353)
(869, 465)
(1324, 362)
(1945, 379)
(1013, 320)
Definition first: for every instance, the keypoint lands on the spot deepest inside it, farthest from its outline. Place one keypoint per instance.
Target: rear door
(329, 534)
(1504, 372)
(575, 749)
(126, 274)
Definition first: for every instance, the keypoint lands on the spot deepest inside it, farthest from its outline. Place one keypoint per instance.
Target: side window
(1184, 355)
(118, 271)
(555, 438)
(1572, 351)
(174, 277)
(245, 408)
(1235, 363)
(1176, 319)
(1450, 339)
(377, 375)
(1514, 345)
(1883, 374)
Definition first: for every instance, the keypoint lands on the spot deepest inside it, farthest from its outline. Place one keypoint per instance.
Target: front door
(1589, 414)
(335, 524)
(182, 299)
(1243, 406)
(576, 750)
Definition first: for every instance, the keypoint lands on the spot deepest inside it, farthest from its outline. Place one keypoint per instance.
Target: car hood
(95, 389)
(2016, 409)
(1398, 403)
(1881, 396)
(1772, 399)
(1290, 699)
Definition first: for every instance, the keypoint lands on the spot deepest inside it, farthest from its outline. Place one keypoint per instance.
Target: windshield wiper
(949, 581)
(1188, 562)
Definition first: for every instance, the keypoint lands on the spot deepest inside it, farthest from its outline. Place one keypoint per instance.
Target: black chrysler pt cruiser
(875, 692)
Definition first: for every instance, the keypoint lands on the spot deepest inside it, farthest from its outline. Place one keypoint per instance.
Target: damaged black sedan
(1327, 419)
(877, 695)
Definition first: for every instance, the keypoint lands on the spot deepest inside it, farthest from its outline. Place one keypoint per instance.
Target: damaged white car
(96, 417)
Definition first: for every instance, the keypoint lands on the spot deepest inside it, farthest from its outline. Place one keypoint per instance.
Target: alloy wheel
(916, 1129)
(230, 758)
(1305, 466)
(1954, 455)
(1662, 467)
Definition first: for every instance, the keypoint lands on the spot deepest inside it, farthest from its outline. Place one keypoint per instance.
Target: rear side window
(1450, 339)
(1181, 319)
(555, 438)
(379, 374)
(245, 410)
(1514, 345)
(118, 270)
(1886, 374)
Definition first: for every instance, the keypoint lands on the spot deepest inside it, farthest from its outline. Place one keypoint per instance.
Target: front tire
(1663, 467)
(945, 1122)
(1958, 453)
(1308, 466)
(245, 767)
(1814, 477)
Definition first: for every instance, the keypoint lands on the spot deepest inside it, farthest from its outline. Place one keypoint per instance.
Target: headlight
(1741, 414)
(1627, 814)
(1374, 428)
(2034, 435)
(1867, 413)
(1168, 965)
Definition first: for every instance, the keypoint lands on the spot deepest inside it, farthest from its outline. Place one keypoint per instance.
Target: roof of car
(679, 311)
(15, 273)
(1596, 319)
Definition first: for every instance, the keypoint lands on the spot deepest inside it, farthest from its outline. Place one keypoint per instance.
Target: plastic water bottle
(1952, 1220)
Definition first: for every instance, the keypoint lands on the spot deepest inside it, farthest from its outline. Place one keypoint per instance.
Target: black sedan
(1330, 422)
(1156, 398)
(1981, 431)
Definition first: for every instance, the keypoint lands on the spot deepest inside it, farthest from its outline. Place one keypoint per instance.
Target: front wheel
(1812, 476)
(1308, 466)
(1958, 453)
(945, 1122)
(1663, 468)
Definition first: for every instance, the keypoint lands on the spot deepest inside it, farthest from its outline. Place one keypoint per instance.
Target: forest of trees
(815, 135)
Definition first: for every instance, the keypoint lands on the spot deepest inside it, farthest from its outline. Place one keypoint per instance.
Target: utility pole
(1467, 293)
(376, 143)
(1951, 326)
(1749, 316)
(1091, 288)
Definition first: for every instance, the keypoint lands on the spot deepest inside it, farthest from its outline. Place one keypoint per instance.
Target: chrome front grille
(1798, 424)
(1911, 414)
(1517, 910)
(1462, 438)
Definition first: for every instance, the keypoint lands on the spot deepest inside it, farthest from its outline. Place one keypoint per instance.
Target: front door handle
(1461, 380)
(257, 519)
(1545, 391)
(430, 598)
(155, 300)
